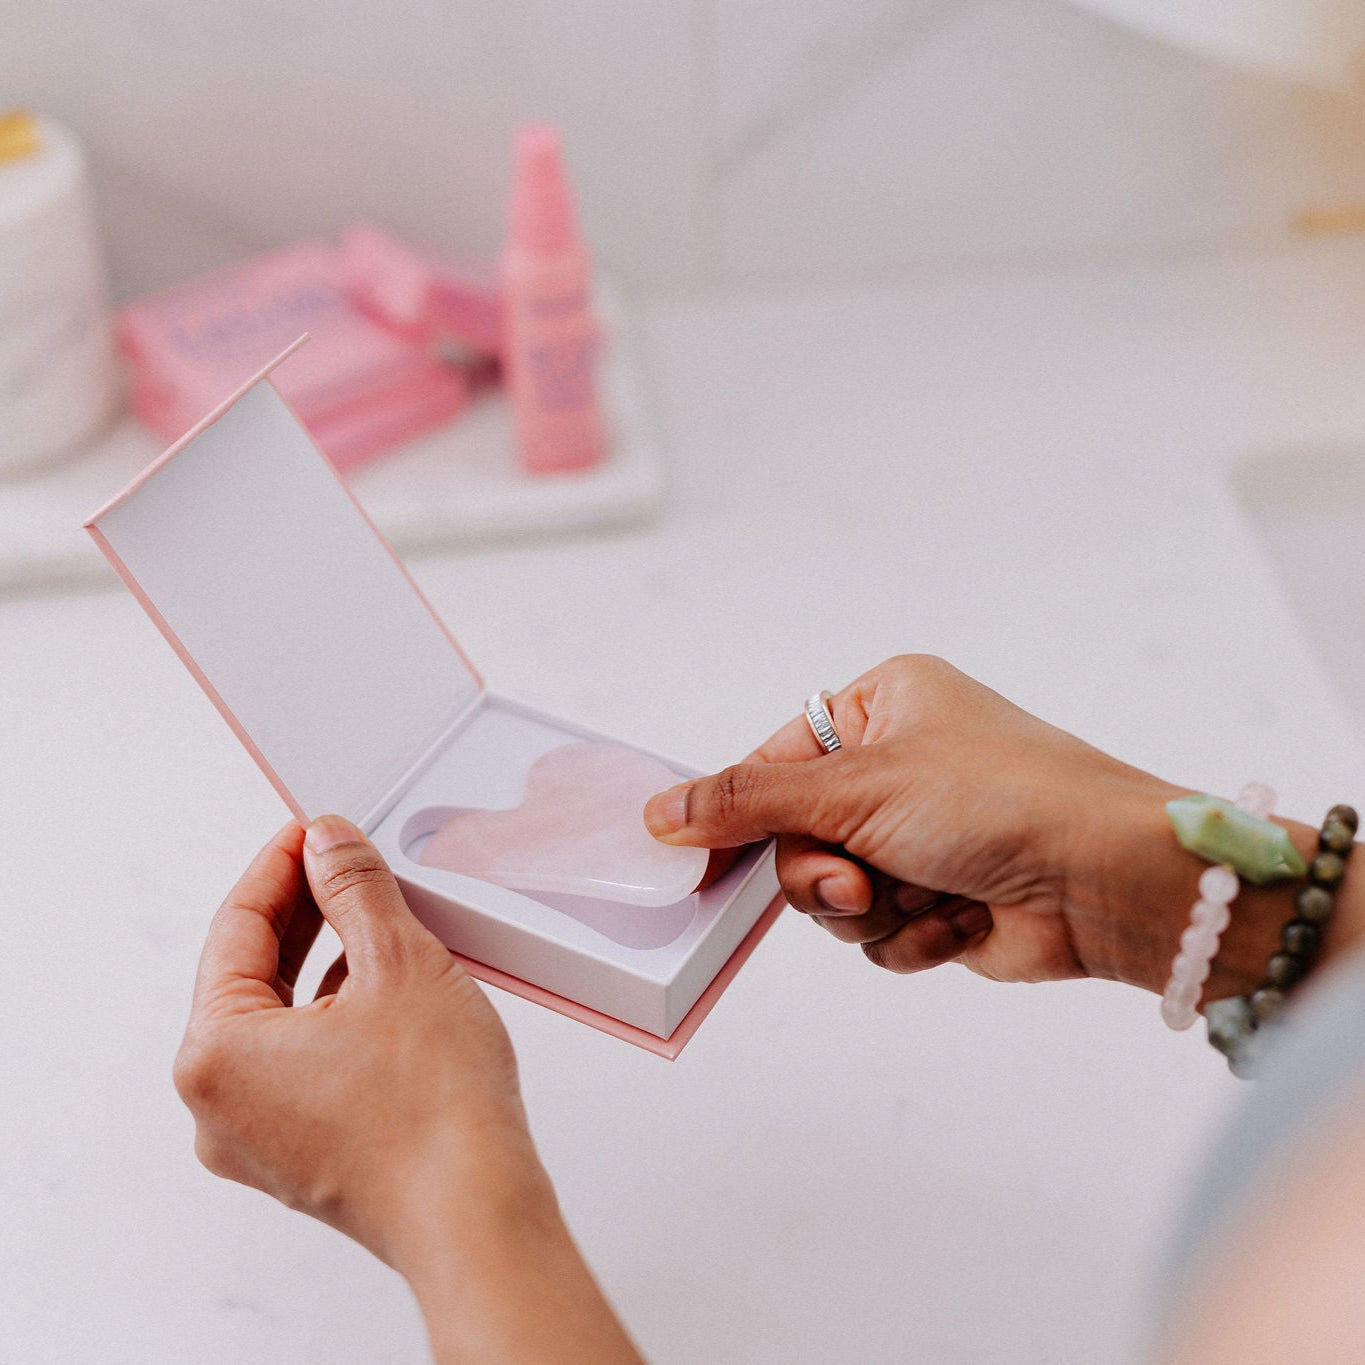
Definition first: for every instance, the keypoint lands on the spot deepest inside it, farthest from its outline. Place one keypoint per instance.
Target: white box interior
(644, 966)
(309, 632)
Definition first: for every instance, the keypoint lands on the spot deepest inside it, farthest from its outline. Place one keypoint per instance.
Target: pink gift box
(360, 388)
(311, 639)
(422, 293)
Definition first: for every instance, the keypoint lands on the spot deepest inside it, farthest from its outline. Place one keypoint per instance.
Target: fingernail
(970, 920)
(835, 896)
(328, 831)
(667, 813)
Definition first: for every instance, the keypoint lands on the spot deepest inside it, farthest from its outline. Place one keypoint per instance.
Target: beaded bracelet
(1218, 887)
(1234, 1022)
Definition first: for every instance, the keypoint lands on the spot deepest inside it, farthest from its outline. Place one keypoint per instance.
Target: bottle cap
(541, 215)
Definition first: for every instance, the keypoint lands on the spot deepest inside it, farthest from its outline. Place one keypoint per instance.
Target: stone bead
(1314, 904)
(1230, 1023)
(1184, 992)
(1266, 1002)
(1218, 885)
(1218, 832)
(1301, 939)
(1327, 869)
(1178, 1014)
(1257, 799)
(1346, 815)
(1336, 837)
(1197, 942)
(1283, 970)
(1188, 968)
(1210, 916)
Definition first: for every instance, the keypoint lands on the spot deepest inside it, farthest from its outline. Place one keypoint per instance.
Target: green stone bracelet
(1257, 850)
(1234, 1023)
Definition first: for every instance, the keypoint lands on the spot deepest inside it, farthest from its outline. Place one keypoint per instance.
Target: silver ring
(821, 722)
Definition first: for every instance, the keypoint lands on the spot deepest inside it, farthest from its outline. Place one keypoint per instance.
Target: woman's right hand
(954, 826)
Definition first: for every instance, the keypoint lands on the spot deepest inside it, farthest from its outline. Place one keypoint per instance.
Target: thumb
(359, 898)
(752, 801)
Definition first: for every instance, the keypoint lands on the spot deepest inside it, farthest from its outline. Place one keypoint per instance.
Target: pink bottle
(550, 336)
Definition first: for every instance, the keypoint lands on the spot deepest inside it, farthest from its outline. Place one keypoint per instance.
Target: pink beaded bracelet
(1218, 887)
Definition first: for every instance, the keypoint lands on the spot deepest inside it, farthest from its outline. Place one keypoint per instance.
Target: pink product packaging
(353, 697)
(550, 336)
(360, 388)
(422, 294)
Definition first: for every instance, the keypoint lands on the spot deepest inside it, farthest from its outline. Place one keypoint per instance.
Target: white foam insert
(643, 966)
(295, 611)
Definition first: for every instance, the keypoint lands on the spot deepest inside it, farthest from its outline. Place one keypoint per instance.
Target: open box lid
(298, 621)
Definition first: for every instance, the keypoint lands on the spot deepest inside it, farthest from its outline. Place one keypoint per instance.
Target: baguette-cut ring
(821, 722)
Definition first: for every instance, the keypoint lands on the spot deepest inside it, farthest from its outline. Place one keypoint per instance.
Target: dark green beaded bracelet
(1265, 1002)
(1234, 1022)
(1314, 904)
(1327, 870)
(1337, 836)
(1344, 815)
(1284, 970)
(1301, 939)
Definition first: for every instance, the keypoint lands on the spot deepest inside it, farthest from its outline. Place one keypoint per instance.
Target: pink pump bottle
(550, 336)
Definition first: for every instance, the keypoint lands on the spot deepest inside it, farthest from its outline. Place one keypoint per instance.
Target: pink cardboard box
(311, 639)
(360, 388)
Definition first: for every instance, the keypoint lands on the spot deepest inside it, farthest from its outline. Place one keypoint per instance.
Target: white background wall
(716, 142)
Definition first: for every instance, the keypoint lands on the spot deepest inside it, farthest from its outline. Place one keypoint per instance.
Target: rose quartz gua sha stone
(579, 832)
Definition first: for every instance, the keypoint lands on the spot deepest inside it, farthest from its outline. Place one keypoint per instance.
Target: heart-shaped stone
(579, 831)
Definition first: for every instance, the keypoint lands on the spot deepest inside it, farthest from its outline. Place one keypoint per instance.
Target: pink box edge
(667, 1048)
(197, 429)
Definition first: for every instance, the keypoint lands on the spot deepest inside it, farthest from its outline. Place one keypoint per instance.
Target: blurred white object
(57, 371)
(1319, 41)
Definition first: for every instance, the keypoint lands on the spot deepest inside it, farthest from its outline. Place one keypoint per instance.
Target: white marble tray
(457, 486)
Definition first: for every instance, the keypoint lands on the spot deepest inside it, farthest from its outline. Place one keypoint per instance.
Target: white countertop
(1020, 473)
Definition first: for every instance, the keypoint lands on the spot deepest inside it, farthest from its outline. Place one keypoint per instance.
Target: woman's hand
(953, 825)
(388, 1107)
